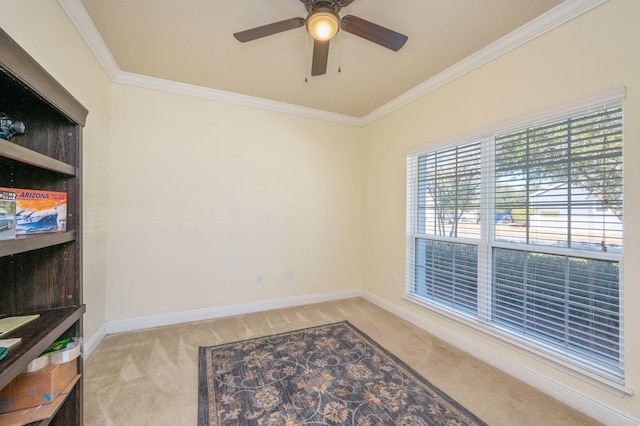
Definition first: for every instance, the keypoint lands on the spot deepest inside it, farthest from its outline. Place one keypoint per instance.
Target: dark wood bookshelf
(42, 273)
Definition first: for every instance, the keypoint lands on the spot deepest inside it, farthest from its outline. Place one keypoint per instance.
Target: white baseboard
(91, 344)
(581, 402)
(141, 323)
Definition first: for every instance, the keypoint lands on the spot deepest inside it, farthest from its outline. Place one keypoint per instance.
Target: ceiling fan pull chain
(306, 56)
(339, 52)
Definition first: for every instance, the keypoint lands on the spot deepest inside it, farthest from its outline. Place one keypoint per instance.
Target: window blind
(447, 184)
(521, 232)
(562, 180)
(562, 183)
(449, 191)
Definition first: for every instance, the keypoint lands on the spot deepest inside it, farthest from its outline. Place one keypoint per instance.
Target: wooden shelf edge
(37, 336)
(31, 73)
(28, 156)
(35, 242)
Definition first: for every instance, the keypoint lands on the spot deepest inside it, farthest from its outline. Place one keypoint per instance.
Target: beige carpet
(151, 377)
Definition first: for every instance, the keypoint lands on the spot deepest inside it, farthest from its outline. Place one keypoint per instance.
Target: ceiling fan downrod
(314, 5)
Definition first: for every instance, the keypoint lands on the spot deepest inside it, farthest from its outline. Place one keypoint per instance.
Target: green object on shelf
(57, 345)
(3, 352)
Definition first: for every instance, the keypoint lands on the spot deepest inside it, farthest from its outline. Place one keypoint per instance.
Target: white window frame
(610, 382)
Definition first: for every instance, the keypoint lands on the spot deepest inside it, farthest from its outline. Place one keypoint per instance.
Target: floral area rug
(328, 375)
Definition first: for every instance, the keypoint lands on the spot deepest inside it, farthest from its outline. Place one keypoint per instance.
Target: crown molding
(169, 86)
(546, 22)
(80, 18)
(539, 26)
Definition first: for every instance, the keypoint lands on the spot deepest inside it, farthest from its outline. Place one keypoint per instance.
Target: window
(448, 189)
(545, 271)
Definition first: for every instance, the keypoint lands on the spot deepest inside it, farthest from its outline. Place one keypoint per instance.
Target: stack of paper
(9, 343)
(11, 323)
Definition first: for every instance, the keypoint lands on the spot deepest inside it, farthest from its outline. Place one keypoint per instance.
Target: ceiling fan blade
(373, 32)
(269, 29)
(320, 57)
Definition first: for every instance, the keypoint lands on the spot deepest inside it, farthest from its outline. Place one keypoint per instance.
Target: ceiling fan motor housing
(314, 5)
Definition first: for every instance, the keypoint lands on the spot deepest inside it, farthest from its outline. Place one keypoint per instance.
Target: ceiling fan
(323, 22)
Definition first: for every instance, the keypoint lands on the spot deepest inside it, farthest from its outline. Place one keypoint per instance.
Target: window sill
(601, 382)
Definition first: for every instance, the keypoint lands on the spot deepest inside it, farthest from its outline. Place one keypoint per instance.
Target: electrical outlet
(394, 279)
(259, 277)
(290, 275)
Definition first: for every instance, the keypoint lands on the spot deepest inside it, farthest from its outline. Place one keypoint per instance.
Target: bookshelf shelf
(35, 242)
(36, 336)
(20, 154)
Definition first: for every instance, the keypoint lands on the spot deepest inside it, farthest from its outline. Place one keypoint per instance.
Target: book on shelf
(6, 344)
(7, 214)
(8, 324)
(9, 343)
(36, 211)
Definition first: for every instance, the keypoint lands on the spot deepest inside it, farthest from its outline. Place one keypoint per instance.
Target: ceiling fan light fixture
(323, 24)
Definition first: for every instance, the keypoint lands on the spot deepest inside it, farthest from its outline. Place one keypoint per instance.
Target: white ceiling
(191, 41)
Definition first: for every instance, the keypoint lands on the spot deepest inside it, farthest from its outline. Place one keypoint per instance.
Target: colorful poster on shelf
(7, 214)
(39, 211)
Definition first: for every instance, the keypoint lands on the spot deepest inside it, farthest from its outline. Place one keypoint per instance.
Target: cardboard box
(39, 211)
(7, 214)
(37, 388)
(39, 413)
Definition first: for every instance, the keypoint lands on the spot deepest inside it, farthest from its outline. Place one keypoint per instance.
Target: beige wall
(205, 195)
(44, 31)
(589, 55)
(187, 199)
